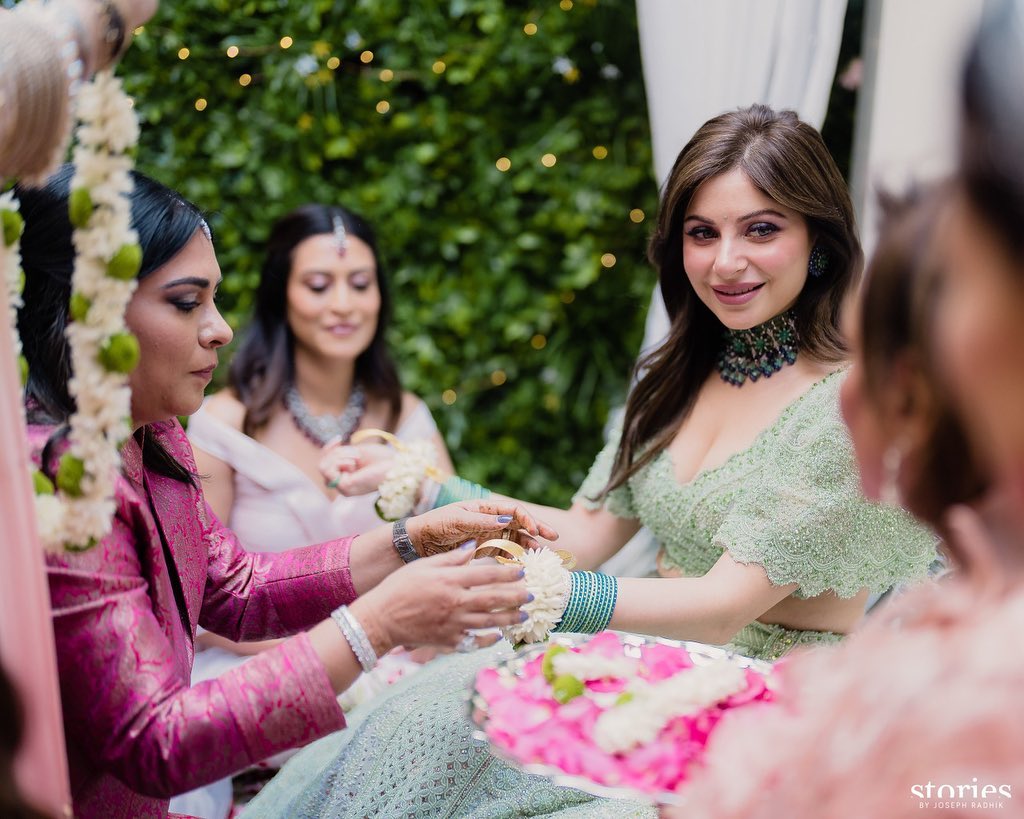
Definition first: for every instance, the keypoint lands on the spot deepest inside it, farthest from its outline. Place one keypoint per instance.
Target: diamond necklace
(322, 428)
(759, 351)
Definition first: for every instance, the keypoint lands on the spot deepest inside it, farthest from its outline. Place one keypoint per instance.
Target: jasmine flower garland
(76, 510)
(11, 226)
(400, 488)
(593, 666)
(639, 719)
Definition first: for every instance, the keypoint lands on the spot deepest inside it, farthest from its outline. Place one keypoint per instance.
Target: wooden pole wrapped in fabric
(26, 632)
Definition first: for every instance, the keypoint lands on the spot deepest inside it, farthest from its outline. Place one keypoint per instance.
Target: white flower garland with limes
(639, 718)
(12, 226)
(77, 513)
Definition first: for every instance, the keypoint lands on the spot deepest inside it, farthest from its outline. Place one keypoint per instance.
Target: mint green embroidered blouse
(791, 502)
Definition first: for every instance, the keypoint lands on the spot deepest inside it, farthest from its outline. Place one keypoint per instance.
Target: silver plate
(700, 653)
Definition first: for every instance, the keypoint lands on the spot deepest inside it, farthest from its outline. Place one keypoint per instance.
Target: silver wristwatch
(402, 544)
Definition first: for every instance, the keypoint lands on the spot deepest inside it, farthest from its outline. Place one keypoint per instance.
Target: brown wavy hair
(786, 160)
(896, 318)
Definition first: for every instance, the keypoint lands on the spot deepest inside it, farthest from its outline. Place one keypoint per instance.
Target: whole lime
(80, 207)
(120, 354)
(566, 687)
(70, 472)
(125, 263)
(12, 226)
(547, 666)
(41, 484)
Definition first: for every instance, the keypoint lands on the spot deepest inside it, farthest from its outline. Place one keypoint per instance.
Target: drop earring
(892, 466)
(817, 264)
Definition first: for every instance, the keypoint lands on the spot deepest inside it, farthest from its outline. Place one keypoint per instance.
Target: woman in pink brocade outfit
(921, 711)
(125, 612)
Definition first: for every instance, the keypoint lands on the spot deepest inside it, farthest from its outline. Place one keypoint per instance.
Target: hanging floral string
(76, 510)
(10, 234)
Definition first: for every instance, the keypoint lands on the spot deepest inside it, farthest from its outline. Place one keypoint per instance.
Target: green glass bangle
(459, 489)
(592, 599)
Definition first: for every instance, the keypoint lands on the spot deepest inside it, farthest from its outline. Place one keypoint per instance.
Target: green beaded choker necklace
(759, 351)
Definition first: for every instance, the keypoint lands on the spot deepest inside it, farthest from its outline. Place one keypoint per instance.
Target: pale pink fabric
(931, 692)
(276, 505)
(26, 636)
(125, 615)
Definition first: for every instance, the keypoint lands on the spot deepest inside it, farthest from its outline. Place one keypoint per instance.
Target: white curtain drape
(702, 58)
(907, 121)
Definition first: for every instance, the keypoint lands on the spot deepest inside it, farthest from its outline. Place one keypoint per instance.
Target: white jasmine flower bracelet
(565, 601)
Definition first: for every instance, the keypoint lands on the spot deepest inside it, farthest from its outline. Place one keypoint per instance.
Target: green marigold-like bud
(80, 207)
(125, 264)
(70, 472)
(79, 307)
(13, 225)
(78, 547)
(41, 484)
(566, 687)
(120, 354)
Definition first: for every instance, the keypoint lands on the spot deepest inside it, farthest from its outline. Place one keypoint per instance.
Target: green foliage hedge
(498, 275)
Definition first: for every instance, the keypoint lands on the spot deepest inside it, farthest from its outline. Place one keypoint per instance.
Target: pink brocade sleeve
(260, 595)
(124, 659)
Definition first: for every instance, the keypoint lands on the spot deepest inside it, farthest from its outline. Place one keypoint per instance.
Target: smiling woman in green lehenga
(732, 452)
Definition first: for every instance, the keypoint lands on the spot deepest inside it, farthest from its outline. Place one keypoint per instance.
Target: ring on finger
(333, 482)
(466, 644)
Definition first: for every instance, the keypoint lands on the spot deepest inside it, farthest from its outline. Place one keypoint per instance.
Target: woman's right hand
(444, 528)
(435, 600)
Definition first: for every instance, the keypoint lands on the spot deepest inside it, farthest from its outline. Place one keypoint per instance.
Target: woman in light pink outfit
(125, 611)
(921, 709)
(313, 367)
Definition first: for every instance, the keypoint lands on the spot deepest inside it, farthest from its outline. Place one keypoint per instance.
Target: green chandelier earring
(817, 264)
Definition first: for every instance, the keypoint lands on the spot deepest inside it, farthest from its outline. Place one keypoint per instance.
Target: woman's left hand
(355, 469)
(445, 528)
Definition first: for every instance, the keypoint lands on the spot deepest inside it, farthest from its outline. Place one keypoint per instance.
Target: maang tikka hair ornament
(340, 235)
(817, 264)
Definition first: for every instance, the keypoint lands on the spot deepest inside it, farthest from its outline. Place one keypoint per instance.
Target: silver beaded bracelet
(354, 633)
